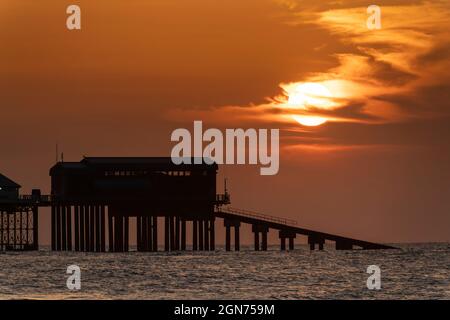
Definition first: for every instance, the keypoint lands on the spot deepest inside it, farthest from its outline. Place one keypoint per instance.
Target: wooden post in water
(194, 235)
(167, 233)
(155, 233)
(212, 235)
(200, 235)
(227, 238)
(183, 234)
(110, 231)
(206, 237)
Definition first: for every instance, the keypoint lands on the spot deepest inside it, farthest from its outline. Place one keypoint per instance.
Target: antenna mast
(225, 185)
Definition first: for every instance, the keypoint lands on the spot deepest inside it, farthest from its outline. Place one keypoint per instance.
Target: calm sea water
(419, 271)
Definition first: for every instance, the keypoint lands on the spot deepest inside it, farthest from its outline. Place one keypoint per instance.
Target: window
(178, 173)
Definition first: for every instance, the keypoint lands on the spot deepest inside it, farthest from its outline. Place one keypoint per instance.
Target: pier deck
(288, 229)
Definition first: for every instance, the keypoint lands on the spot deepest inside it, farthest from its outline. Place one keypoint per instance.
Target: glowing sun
(309, 121)
(307, 96)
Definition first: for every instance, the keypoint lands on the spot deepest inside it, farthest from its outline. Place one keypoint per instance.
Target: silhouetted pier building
(93, 200)
(18, 217)
(98, 189)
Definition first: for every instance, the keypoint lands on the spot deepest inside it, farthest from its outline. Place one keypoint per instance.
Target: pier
(18, 217)
(92, 202)
(287, 230)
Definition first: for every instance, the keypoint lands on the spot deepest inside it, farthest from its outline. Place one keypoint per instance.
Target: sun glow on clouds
(309, 94)
(396, 60)
(369, 78)
(305, 97)
(307, 102)
(309, 121)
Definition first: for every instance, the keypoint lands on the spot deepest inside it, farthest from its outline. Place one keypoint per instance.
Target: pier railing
(222, 199)
(260, 216)
(35, 198)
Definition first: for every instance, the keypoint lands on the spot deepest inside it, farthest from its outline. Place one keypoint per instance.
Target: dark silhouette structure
(96, 189)
(18, 217)
(287, 229)
(92, 201)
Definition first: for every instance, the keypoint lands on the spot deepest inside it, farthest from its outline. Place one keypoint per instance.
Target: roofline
(15, 184)
(88, 162)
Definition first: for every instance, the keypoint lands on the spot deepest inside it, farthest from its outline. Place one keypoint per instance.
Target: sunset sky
(375, 165)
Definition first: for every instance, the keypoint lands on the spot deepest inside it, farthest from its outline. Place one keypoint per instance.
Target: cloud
(390, 80)
(400, 60)
(377, 78)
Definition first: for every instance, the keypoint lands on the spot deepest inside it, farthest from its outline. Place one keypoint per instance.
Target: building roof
(7, 182)
(91, 163)
(130, 160)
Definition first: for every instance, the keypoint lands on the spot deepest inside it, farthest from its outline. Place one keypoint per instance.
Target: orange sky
(379, 167)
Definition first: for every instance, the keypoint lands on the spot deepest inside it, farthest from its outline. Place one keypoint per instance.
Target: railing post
(260, 216)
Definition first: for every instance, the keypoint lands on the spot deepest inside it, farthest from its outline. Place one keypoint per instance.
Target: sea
(414, 271)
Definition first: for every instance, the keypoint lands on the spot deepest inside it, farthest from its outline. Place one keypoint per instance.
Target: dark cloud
(423, 102)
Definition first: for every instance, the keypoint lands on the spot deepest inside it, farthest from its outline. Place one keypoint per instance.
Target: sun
(310, 95)
(309, 121)
(306, 96)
